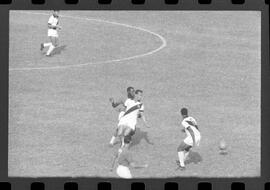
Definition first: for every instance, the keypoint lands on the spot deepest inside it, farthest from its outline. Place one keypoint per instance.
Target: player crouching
(53, 27)
(192, 139)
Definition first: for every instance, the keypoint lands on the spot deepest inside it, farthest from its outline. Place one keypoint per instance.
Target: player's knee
(187, 148)
(116, 132)
(132, 132)
(181, 147)
(119, 131)
(127, 131)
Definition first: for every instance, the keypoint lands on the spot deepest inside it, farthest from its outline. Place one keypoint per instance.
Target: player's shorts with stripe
(52, 33)
(123, 172)
(189, 141)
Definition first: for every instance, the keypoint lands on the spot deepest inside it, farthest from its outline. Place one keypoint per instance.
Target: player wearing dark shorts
(125, 161)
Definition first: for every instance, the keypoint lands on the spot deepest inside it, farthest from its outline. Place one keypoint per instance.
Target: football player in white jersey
(192, 139)
(127, 123)
(53, 27)
(120, 106)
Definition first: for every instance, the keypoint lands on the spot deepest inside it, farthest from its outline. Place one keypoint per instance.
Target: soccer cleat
(179, 166)
(41, 46)
(182, 168)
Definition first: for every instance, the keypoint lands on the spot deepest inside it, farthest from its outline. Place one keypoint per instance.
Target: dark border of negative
(157, 184)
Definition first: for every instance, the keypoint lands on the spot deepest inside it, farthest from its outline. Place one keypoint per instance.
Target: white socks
(51, 48)
(122, 142)
(181, 156)
(112, 140)
(47, 44)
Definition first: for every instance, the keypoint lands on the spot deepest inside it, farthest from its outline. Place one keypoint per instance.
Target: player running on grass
(192, 139)
(53, 27)
(120, 106)
(124, 160)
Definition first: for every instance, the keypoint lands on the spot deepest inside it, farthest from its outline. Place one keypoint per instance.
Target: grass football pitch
(60, 118)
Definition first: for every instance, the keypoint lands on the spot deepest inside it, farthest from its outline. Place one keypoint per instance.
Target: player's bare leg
(183, 151)
(114, 137)
(120, 133)
(54, 43)
(43, 45)
(127, 133)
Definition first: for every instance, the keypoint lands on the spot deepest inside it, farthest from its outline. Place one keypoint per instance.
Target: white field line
(163, 45)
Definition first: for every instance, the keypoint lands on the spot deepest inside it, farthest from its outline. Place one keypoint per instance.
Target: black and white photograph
(134, 94)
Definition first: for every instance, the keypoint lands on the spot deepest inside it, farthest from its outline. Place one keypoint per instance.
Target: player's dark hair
(129, 95)
(54, 13)
(129, 89)
(184, 111)
(138, 91)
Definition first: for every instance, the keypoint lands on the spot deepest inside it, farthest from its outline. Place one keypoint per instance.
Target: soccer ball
(223, 147)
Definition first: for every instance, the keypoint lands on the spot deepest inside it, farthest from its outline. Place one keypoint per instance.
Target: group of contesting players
(129, 111)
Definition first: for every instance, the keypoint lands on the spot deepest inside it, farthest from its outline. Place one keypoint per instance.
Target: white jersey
(131, 114)
(53, 21)
(129, 103)
(120, 115)
(190, 122)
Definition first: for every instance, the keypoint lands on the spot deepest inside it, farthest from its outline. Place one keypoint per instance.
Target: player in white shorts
(124, 161)
(127, 123)
(120, 106)
(53, 27)
(192, 139)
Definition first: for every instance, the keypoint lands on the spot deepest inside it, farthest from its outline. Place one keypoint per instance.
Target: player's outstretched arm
(115, 103)
(142, 116)
(50, 26)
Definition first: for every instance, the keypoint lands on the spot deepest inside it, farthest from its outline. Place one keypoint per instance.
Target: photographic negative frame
(139, 10)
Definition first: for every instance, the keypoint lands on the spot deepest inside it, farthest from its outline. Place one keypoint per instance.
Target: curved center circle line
(163, 45)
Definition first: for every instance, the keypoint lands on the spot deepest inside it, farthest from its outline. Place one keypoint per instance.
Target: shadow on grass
(59, 49)
(140, 135)
(194, 157)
